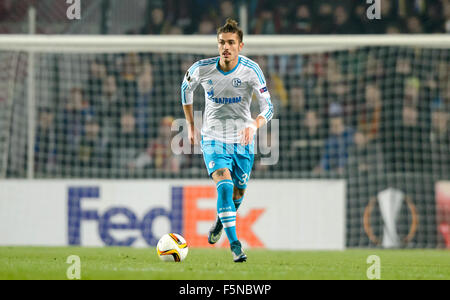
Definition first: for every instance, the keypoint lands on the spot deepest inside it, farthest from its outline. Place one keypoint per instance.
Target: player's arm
(193, 134)
(190, 83)
(263, 118)
(266, 107)
(248, 133)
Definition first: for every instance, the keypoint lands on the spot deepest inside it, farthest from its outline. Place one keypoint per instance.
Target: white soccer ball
(172, 247)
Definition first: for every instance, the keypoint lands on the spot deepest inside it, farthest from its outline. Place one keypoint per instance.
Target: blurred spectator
(97, 73)
(128, 79)
(439, 125)
(264, 23)
(316, 65)
(302, 21)
(293, 115)
(411, 91)
(365, 156)
(5, 8)
(175, 30)
(206, 26)
(74, 115)
(374, 68)
(403, 66)
(125, 142)
(283, 20)
(434, 21)
(45, 145)
(393, 28)
(342, 22)
(389, 22)
(414, 25)
(227, 10)
(108, 108)
(306, 150)
(145, 79)
(333, 70)
(323, 17)
(92, 154)
(157, 24)
(180, 14)
(410, 117)
(443, 75)
(145, 88)
(370, 115)
(336, 149)
(158, 153)
(388, 11)
(297, 100)
(77, 103)
(362, 22)
(408, 149)
(205, 7)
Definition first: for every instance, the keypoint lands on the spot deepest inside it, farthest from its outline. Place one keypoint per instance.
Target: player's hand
(193, 135)
(247, 135)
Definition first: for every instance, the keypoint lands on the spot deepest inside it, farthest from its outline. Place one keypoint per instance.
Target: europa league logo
(390, 202)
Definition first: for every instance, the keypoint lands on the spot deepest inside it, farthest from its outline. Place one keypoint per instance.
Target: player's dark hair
(231, 26)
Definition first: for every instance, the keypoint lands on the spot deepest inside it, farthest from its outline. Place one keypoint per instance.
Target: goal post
(371, 109)
(254, 44)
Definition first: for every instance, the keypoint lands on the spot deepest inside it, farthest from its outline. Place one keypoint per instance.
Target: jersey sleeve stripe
(269, 114)
(183, 93)
(259, 76)
(202, 63)
(255, 68)
(255, 65)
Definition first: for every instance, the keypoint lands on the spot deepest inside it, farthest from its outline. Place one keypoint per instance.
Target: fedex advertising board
(297, 214)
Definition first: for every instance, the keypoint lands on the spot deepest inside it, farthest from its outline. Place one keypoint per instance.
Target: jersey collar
(229, 72)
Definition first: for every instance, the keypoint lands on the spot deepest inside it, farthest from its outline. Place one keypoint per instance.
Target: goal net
(373, 110)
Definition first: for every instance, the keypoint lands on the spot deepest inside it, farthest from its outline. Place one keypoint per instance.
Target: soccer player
(227, 135)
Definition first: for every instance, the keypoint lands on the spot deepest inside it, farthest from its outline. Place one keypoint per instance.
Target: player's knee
(221, 174)
(238, 193)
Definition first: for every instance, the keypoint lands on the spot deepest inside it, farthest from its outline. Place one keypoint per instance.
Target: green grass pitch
(204, 264)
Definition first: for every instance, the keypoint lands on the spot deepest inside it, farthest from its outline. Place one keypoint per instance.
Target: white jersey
(228, 96)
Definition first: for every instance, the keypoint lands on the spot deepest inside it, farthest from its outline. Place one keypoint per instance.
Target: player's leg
(219, 163)
(242, 167)
(240, 172)
(225, 206)
(238, 196)
(227, 211)
(215, 231)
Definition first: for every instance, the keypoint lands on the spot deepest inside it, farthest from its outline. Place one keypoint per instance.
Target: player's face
(229, 46)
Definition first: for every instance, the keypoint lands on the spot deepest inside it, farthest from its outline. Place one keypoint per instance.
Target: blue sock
(226, 209)
(238, 202)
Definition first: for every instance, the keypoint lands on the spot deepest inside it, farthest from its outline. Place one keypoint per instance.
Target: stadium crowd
(264, 16)
(343, 112)
(299, 17)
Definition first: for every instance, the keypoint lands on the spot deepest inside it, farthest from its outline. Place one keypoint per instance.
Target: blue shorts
(235, 157)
